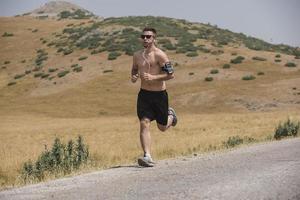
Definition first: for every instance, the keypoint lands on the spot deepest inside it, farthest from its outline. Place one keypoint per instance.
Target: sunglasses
(146, 36)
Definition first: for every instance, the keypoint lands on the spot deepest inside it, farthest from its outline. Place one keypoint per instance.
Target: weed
(290, 64)
(288, 128)
(248, 77)
(62, 158)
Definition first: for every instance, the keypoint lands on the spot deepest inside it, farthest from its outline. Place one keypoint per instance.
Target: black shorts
(153, 105)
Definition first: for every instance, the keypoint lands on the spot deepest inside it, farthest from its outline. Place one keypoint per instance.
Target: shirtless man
(153, 67)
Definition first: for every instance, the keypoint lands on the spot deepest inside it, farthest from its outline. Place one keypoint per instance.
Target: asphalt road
(261, 171)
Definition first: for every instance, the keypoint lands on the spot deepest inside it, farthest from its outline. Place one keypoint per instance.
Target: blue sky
(275, 21)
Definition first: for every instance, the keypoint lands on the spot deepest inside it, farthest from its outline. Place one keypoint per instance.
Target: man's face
(148, 38)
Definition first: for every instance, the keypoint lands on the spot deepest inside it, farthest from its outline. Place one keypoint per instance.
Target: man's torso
(148, 63)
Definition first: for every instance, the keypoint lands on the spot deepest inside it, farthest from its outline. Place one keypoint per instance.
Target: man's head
(148, 36)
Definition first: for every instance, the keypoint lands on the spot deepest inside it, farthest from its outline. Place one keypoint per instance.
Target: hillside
(47, 58)
(60, 77)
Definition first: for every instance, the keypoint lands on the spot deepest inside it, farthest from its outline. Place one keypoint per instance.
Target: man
(153, 67)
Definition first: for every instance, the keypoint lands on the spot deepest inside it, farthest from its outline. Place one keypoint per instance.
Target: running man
(153, 67)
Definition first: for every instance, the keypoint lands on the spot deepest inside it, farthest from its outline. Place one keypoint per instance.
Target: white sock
(147, 155)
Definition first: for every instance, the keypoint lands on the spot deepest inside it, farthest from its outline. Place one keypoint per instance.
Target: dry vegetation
(99, 102)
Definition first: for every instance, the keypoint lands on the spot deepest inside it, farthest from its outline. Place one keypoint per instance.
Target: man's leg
(145, 135)
(172, 120)
(165, 127)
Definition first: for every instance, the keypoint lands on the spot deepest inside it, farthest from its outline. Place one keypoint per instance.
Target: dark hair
(150, 29)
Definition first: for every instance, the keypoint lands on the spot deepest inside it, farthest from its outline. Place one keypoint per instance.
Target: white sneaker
(146, 161)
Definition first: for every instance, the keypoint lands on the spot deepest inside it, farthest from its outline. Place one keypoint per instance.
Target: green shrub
(39, 74)
(52, 70)
(82, 58)
(19, 76)
(191, 73)
(11, 83)
(192, 54)
(35, 30)
(259, 58)
(290, 64)
(226, 66)
(45, 75)
(233, 141)
(6, 62)
(27, 71)
(62, 158)
(288, 128)
(277, 60)
(63, 73)
(248, 77)
(7, 34)
(214, 71)
(260, 73)
(209, 79)
(107, 71)
(23, 61)
(278, 56)
(77, 69)
(68, 51)
(113, 55)
(237, 60)
(237, 140)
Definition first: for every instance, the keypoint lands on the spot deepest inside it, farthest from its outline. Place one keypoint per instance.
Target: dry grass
(115, 140)
(101, 106)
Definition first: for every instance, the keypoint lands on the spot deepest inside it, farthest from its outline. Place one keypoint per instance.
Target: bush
(62, 158)
(290, 64)
(278, 56)
(11, 83)
(107, 71)
(237, 60)
(226, 66)
(236, 140)
(39, 74)
(63, 73)
(233, 141)
(214, 71)
(209, 79)
(248, 77)
(113, 55)
(52, 70)
(19, 76)
(7, 34)
(288, 128)
(259, 58)
(260, 73)
(277, 60)
(192, 54)
(77, 69)
(82, 58)
(6, 62)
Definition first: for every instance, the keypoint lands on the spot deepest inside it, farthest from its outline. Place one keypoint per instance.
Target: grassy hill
(63, 77)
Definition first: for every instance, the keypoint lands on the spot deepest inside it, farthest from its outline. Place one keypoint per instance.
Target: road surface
(261, 171)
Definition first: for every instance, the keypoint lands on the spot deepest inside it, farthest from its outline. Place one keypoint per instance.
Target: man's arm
(134, 71)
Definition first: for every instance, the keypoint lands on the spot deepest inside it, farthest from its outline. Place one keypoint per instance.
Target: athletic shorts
(153, 105)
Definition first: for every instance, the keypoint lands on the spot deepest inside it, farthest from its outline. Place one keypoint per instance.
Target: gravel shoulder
(260, 171)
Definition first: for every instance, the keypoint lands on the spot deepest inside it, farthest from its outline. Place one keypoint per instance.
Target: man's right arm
(134, 71)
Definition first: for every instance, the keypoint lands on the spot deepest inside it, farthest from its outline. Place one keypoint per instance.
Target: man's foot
(172, 112)
(146, 162)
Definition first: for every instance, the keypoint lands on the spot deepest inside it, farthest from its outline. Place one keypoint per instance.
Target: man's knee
(145, 123)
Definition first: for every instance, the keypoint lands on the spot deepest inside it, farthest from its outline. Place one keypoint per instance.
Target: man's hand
(134, 77)
(147, 77)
